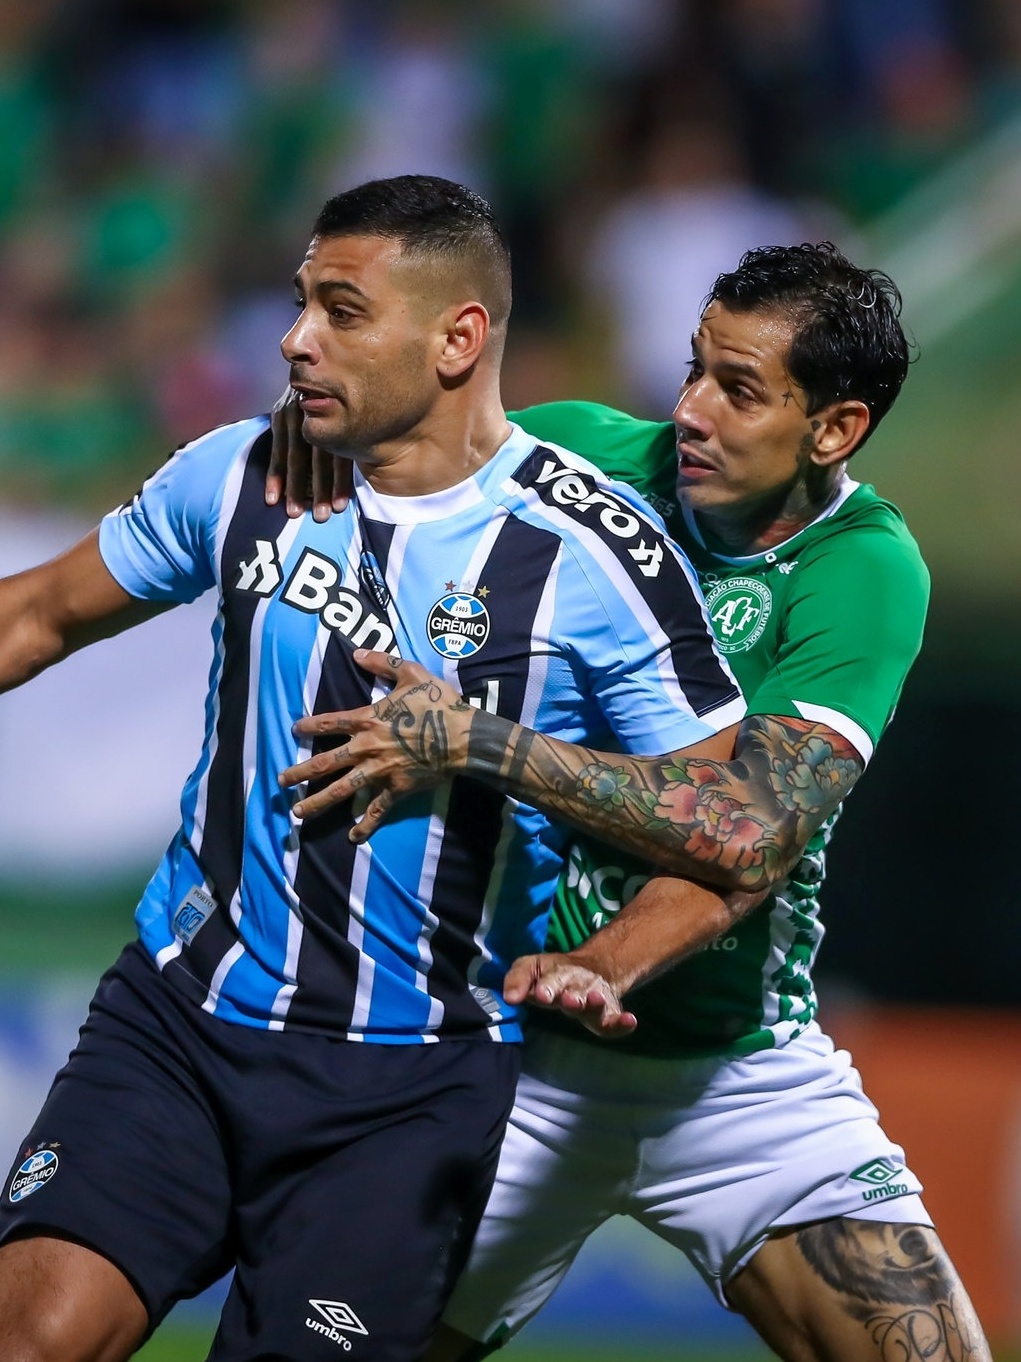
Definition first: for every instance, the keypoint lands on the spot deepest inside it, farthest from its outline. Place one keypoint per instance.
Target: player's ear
(838, 430)
(466, 332)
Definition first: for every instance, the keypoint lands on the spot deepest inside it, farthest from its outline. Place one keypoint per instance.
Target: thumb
(517, 982)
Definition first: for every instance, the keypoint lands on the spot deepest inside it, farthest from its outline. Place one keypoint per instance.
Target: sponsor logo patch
(37, 1170)
(193, 912)
(579, 496)
(879, 1174)
(315, 587)
(340, 1320)
(739, 609)
(458, 625)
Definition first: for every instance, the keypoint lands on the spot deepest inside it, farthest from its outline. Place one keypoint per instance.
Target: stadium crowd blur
(160, 164)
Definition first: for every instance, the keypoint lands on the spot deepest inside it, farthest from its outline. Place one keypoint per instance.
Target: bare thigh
(848, 1290)
(60, 1302)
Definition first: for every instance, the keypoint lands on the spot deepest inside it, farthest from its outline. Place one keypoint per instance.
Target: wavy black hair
(848, 339)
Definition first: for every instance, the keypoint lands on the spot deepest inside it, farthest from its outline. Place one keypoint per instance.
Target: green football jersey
(825, 626)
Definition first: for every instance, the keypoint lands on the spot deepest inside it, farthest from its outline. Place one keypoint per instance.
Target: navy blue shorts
(343, 1182)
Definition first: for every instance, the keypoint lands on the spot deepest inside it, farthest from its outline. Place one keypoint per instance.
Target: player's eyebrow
(327, 285)
(740, 370)
(733, 367)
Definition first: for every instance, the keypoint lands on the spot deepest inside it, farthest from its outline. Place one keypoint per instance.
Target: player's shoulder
(574, 489)
(626, 447)
(560, 421)
(867, 527)
(216, 448)
(191, 483)
(867, 541)
(230, 439)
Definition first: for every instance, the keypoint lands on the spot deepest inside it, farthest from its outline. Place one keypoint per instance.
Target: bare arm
(741, 822)
(60, 606)
(667, 920)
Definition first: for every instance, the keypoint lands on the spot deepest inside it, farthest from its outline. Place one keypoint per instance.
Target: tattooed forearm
(898, 1282)
(742, 824)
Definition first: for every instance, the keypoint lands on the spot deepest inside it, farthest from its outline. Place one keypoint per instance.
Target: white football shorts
(710, 1154)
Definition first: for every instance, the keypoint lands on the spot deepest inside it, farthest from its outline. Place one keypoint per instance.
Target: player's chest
(448, 598)
(748, 611)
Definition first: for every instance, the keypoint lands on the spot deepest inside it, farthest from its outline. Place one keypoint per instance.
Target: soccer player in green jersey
(724, 1119)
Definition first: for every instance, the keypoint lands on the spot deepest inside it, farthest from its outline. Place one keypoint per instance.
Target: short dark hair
(848, 339)
(429, 216)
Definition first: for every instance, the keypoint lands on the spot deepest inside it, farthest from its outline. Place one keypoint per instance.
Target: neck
(739, 532)
(449, 446)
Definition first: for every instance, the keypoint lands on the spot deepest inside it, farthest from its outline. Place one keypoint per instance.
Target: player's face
(744, 443)
(360, 350)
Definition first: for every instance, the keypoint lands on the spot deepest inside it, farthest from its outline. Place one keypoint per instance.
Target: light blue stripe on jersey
(396, 858)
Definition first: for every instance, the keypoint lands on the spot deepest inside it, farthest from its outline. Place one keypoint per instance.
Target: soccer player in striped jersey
(725, 1122)
(303, 1067)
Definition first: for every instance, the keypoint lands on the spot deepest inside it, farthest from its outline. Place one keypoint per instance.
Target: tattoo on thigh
(899, 1283)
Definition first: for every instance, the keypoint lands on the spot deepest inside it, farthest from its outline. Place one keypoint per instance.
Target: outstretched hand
(304, 475)
(398, 745)
(554, 980)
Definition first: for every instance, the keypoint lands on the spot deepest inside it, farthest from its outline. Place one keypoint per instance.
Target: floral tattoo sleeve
(742, 823)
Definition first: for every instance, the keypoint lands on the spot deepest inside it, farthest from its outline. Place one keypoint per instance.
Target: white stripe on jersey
(392, 576)
(491, 902)
(356, 935)
(840, 723)
(198, 827)
(232, 491)
(171, 952)
(225, 966)
(426, 881)
(484, 546)
(295, 926)
(434, 839)
(228, 505)
(251, 766)
(236, 951)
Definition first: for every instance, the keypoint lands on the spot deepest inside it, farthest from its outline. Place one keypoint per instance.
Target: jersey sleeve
(854, 625)
(647, 648)
(161, 546)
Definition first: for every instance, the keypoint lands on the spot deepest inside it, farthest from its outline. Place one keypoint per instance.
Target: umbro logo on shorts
(879, 1174)
(338, 1316)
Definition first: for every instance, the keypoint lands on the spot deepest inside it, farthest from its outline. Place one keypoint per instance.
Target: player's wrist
(486, 746)
(598, 959)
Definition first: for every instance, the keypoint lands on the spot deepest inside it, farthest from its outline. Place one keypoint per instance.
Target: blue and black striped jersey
(538, 588)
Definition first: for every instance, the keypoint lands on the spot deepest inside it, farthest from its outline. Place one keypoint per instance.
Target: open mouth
(313, 400)
(691, 464)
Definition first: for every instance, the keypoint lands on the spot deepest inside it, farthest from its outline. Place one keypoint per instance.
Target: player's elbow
(27, 647)
(748, 862)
